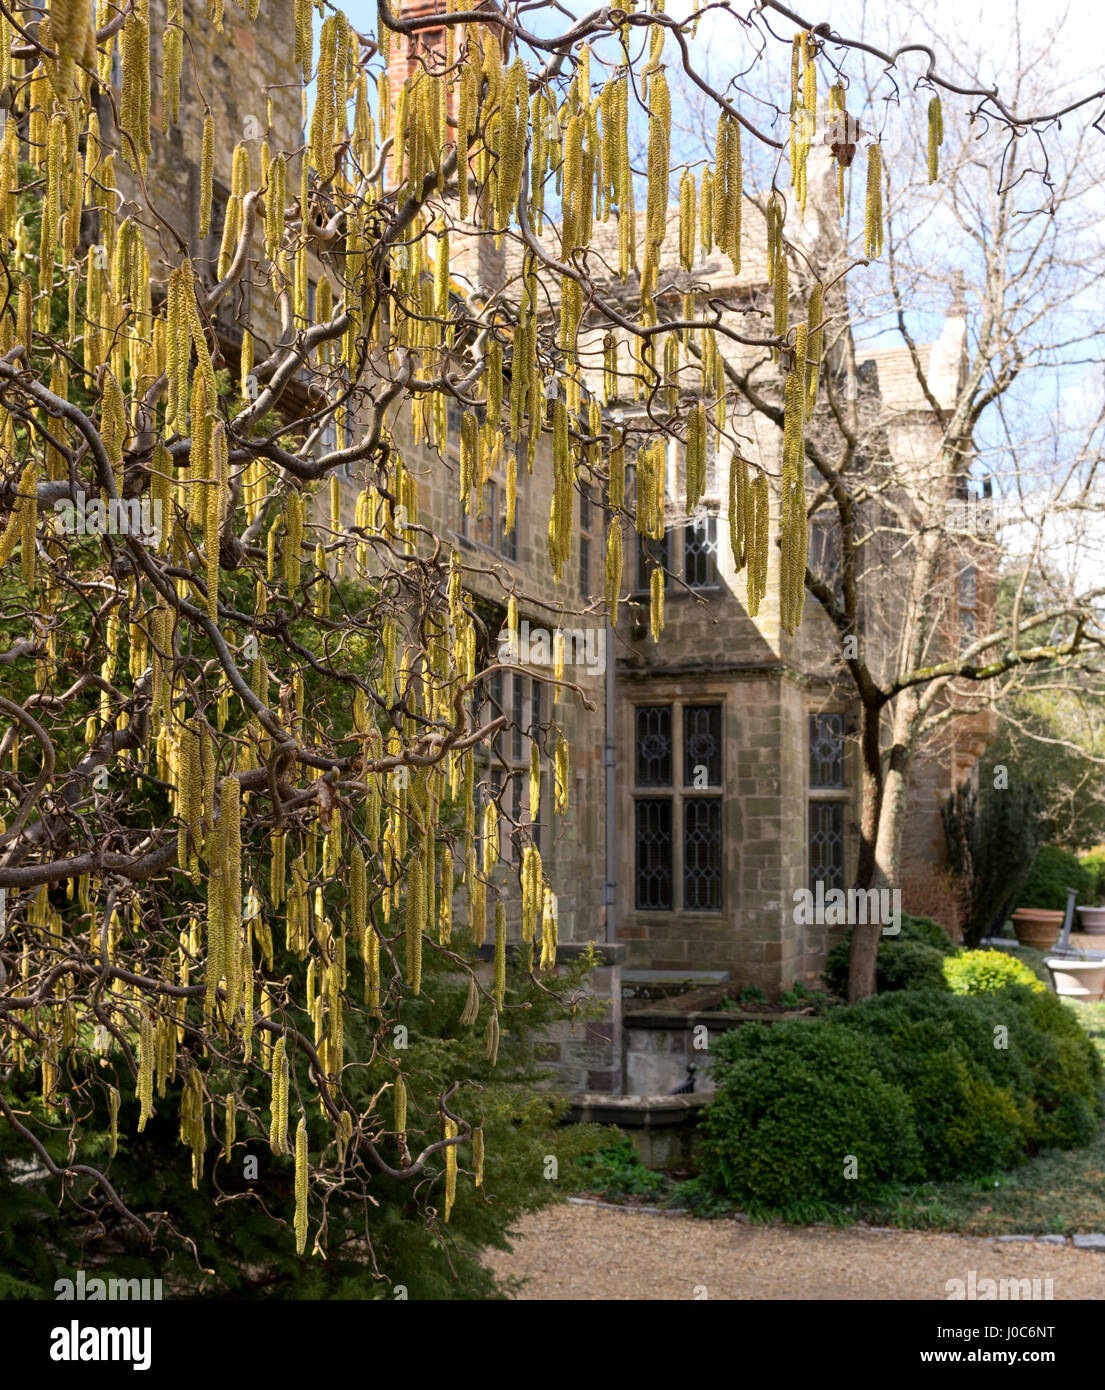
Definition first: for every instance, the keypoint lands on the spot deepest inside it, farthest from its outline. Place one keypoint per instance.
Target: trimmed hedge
(913, 1083)
(794, 1100)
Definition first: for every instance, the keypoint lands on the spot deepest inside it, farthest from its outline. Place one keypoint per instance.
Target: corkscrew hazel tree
(248, 741)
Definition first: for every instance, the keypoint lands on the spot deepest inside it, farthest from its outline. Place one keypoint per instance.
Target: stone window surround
(845, 795)
(677, 694)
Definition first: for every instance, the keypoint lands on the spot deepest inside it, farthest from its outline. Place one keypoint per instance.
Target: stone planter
(1038, 926)
(1078, 979)
(1093, 920)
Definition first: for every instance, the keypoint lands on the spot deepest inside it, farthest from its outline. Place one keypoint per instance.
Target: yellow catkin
(499, 987)
(478, 1155)
(687, 220)
(445, 901)
(936, 137)
(659, 166)
(757, 544)
(400, 1102)
(113, 1112)
(613, 568)
(781, 295)
(656, 603)
(792, 510)
(278, 1129)
(739, 533)
(207, 173)
(726, 191)
(145, 1070)
(416, 915)
(872, 224)
(560, 767)
(450, 1168)
(534, 781)
(135, 98)
(815, 337)
(300, 1186)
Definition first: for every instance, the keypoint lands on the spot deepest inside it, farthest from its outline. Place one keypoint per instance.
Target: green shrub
(793, 1101)
(1029, 1044)
(976, 1082)
(927, 931)
(1094, 864)
(968, 1122)
(616, 1170)
(1053, 872)
(904, 962)
(909, 965)
(984, 972)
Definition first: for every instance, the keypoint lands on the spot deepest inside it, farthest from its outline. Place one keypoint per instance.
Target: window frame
(820, 794)
(678, 791)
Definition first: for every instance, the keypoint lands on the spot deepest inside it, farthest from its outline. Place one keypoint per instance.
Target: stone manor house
(717, 771)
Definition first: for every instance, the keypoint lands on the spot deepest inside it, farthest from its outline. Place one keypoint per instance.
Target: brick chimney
(424, 48)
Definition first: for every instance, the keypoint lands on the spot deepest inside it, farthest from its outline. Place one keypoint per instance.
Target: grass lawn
(1059, 1192)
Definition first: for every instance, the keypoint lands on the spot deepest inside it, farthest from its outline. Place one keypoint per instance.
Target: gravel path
(589, 1254)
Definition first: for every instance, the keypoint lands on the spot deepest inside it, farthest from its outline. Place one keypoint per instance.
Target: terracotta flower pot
(1038, 926)
(1093, 920)
(1078, 979)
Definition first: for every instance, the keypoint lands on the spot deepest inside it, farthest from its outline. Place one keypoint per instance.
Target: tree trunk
(884, 823)
(870, 793)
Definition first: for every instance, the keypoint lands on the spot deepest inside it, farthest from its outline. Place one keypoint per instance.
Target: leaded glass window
(702, 853)
(517, 714)
(824, 556)
(700, 553)
(678, 839)
(826, 847)
(826, 751)
(653, 746)
(653, 845)
(702, 745)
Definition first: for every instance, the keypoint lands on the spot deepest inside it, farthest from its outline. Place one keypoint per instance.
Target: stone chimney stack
(947, 364)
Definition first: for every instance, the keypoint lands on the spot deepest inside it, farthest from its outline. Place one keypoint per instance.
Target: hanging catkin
(781, 296)
(416, 916)
(278, 1129)
(145, 1070)
(815, 336)
(757, 543)
(300, 1186)
(726, 190)
(499, 987)
(207, 173)
(478, 1155)
(450, 1167)
(936, 137)
(792, 507)
(613, 567)
(872, 225)
(656, 603)
(686, 220)
(134, 113)
(659, 168)
(560, 768)
(740, 531)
